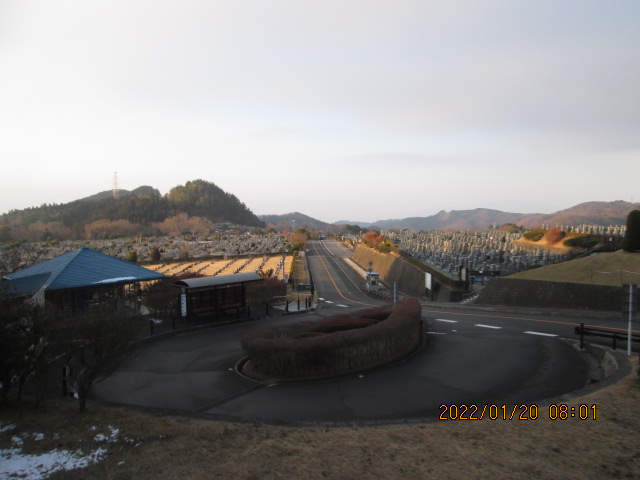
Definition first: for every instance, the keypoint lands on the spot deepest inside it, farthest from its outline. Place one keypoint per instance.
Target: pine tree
(631, 241)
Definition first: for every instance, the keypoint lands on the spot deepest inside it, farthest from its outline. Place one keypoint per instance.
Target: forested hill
(190, 208)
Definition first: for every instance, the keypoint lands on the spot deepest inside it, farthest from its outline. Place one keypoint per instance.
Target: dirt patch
(556, 247)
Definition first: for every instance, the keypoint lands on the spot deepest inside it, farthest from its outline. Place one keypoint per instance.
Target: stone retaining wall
(536, 293)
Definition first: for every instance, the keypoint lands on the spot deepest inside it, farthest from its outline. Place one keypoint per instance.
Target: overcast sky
(355, 110)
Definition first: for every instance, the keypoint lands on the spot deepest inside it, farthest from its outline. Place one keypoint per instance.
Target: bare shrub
(554, 235)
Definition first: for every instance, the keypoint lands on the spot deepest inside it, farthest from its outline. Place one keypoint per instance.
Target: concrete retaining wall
(392, 269)
(536, 293)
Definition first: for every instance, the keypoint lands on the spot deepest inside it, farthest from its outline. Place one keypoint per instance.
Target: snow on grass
(14, 463)
(111, 438)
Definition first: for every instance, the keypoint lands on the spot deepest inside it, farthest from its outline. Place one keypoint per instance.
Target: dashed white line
(494, 327)
(542, 334)
(343, 306)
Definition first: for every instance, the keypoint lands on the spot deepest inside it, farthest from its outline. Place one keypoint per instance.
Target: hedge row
(308, 350)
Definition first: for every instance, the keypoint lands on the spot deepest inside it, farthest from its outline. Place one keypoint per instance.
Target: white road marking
(487, 326)
(445, 320)
(436, 333)
(343, 306)
(540, 333)
(328, 301)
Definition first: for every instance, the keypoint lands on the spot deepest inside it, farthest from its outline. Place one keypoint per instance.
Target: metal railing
(614, 335)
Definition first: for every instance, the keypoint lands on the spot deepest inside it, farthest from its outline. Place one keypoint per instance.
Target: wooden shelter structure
(214, 296)
(79, 281)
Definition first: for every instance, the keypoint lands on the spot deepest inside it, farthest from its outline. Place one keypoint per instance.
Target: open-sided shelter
(216, 295)
(79, 280)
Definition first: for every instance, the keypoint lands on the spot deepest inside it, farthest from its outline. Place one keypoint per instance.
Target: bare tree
(25, 331)
(97, 345)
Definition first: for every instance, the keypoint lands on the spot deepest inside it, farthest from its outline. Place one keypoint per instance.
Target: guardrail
(614, 335)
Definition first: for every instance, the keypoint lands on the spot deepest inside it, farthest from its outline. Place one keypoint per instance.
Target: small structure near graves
(337, 345)
(214, 296)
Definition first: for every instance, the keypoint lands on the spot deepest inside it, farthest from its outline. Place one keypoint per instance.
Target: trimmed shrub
(553, 235)
(308, 334)
(292, 352)
(583, 241)
(631, 240)
(534, 235)
(343, 324)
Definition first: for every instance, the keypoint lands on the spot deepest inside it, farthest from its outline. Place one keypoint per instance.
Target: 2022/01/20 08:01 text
(532, 411)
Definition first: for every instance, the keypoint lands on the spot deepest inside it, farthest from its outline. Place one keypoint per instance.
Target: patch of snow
(111, 438)
(15, 464)
(114, 280)
(100, 438)
(6, 428)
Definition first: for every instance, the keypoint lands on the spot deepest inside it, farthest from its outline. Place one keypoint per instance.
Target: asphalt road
(471, 357)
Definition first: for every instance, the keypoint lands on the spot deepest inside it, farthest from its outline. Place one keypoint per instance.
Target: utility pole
(632, 291)
(115, 189)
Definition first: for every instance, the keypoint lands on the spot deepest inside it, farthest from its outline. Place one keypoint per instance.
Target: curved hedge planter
(336, 345)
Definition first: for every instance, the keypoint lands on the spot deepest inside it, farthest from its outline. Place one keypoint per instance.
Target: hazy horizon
(341, 110)
(361, 221)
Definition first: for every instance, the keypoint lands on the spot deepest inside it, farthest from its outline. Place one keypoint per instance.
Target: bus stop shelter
(215, 296)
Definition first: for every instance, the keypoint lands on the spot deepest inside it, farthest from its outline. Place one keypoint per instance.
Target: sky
(341, 110)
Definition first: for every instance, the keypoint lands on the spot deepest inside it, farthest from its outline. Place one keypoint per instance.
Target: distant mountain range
(590, 213)
(196, 206)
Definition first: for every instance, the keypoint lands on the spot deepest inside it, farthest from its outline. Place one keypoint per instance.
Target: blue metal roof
(23, 286)
(84, 268)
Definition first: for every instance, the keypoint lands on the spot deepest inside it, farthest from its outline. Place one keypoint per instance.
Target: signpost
(183, 304)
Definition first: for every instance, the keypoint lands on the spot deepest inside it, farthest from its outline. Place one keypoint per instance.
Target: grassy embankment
(615, 268)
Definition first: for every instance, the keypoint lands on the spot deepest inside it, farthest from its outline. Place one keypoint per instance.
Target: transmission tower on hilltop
(115, 185)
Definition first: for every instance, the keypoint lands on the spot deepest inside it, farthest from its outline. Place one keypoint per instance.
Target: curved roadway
(471, 357)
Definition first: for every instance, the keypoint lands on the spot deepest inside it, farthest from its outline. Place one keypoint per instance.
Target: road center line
(445, 320)
(487, 326)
